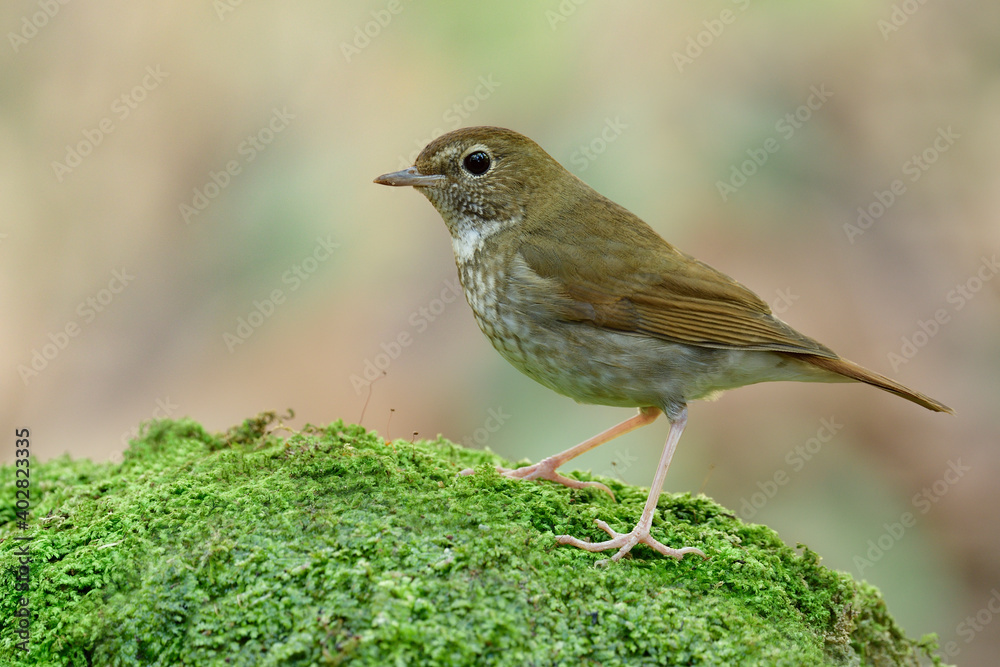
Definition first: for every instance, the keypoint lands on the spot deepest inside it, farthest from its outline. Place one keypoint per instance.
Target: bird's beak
(410, 176)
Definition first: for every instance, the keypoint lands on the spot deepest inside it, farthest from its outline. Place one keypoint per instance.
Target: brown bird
(584, 297)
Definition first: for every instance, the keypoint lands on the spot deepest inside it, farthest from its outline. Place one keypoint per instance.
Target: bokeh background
(190, 228)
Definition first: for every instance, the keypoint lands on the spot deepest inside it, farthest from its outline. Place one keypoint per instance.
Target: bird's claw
(545, 469)
(625, 541)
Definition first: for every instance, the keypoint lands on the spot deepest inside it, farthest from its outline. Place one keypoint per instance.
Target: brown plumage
(659, 291)
(853, 371)
(584, 297)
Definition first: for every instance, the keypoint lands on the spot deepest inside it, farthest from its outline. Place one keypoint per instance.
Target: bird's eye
(476, 163)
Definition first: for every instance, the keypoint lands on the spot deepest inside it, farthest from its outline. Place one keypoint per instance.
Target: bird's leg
(640, 534)
(546, 468)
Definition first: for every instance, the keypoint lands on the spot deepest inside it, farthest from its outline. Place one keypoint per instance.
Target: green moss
(334, 547)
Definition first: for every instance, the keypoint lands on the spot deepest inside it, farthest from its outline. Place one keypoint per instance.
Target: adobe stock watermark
(87, 311)
(31, 24)
(899, 16)
(973, 624)
(713, 28)
(121, 108)
(621, 461)
(783, 301)
(785, 127)
(294, 277)
(922, 502)
(495, 419)
(365, 33)
(562, 12)
(585, 154)
(796, 460)
(956, 298)
(455, 116)
(224, 7)
(914, 168)
(246, 152)
(419, 321)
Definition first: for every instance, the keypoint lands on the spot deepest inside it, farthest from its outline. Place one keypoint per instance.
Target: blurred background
(190, 228)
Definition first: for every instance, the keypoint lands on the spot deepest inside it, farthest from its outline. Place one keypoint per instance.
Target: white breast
(470, 238)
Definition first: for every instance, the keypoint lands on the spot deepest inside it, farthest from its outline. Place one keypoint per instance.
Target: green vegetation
(333, 547)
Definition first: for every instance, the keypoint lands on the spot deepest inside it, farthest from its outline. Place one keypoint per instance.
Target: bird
(582, 296)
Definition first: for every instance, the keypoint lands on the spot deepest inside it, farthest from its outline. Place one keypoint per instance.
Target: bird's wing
(654, 289)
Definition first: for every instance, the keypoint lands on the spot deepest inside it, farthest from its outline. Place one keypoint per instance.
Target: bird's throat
(470, 234)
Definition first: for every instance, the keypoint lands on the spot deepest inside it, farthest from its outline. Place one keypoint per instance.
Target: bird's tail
(852, 371)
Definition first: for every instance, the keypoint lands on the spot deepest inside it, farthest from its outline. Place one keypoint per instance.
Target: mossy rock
(333, 547)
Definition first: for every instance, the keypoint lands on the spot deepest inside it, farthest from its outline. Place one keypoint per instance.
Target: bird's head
(483, 179)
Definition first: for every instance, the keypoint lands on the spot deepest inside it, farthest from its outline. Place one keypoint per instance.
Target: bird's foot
(546, 469)
(625, 541)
